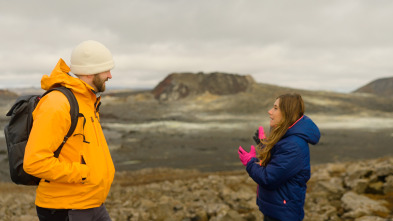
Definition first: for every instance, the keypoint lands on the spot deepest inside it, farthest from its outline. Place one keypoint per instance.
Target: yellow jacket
(66, 189)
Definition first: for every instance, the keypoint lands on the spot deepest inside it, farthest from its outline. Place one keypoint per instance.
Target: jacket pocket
(83, 160)
(95, 177)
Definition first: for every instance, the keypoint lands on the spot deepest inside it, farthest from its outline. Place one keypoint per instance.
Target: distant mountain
(181, 85)
(379, 87)
(7, 94)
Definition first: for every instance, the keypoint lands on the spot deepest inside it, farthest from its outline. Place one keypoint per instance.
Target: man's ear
(90, 76)
(84, 76)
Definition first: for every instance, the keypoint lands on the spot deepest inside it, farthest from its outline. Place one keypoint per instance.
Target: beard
(99, 83)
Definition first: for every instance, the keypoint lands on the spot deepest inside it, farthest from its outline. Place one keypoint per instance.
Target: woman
(282, 167)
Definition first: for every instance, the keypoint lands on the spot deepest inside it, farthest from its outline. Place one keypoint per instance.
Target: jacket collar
(60, 76)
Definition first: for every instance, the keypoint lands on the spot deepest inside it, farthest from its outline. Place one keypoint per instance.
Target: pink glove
(244, 156)
(261, 133)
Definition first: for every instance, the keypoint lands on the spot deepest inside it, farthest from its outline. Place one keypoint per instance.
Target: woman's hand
(244, 156)
(259, 135)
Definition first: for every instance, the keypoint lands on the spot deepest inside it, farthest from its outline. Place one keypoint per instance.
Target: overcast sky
(330, 45)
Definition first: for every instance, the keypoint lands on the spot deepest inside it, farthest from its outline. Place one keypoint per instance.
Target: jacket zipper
(98, 141)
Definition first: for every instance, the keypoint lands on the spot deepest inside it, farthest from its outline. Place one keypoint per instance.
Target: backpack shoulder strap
(74, 113)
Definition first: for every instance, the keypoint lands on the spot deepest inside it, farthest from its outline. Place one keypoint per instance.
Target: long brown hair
(292, 109)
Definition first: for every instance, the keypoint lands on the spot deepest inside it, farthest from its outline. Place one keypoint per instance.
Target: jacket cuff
(250, 163)
(253, 160)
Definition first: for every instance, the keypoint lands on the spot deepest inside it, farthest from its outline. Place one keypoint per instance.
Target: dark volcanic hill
(180, 85)
(379, 87)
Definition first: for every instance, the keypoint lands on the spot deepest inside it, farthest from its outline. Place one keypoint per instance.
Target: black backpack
(18, 129)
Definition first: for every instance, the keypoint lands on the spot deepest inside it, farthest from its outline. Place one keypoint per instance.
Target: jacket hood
(306, 129)
(60, 77)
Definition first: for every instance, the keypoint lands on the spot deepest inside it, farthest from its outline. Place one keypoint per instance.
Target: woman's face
(275, 114)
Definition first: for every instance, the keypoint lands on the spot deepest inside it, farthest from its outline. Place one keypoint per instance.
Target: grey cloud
(342, 44)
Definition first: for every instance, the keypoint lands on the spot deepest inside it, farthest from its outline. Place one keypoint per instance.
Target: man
(73, 186)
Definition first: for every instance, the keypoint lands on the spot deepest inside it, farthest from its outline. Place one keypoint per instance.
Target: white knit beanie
(91, 57)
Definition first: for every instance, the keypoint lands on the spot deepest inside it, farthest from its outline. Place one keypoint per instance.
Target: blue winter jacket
(282, 183)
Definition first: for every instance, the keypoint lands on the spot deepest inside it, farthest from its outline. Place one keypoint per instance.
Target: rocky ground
(360, 191)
